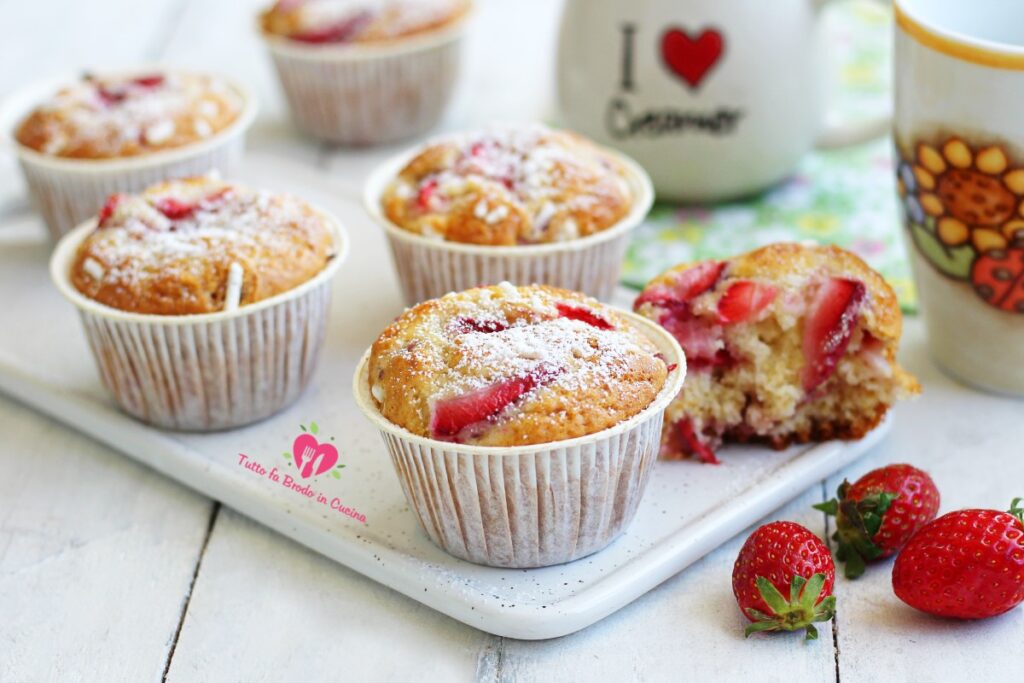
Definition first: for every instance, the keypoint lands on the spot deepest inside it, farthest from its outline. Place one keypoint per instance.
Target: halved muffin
(785, 344)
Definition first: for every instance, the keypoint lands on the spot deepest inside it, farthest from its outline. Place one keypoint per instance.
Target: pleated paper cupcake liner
(368, 95)
(429, 268)
(530, 506)
(69, 191)
(210, 371)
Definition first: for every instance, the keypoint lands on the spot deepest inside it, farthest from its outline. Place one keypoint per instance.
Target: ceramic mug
(960, 141)
(716, 99)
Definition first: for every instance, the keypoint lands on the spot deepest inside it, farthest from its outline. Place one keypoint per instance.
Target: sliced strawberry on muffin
(785, 344)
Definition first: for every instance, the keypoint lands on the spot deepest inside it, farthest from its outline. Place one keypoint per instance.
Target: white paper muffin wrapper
(66, 198)
(206, 376)
(427, 270)
(210, 371)
(367, 99)
(533, 506)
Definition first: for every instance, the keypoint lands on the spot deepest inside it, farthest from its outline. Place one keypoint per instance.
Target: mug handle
(849, 133)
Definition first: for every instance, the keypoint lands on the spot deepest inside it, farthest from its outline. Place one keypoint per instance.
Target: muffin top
(200, 245)
(508, 366)
(509, 186)
(102, 117)
(335, 22)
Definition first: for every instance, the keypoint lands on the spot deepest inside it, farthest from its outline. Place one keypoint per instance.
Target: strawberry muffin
(320, 22)
(509, 186)
(523, 422)
(506, 366)
(200, 245)
(785, 344)
(107, 117)
(204, 302)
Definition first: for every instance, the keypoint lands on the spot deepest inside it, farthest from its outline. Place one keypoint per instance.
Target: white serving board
(688, 510)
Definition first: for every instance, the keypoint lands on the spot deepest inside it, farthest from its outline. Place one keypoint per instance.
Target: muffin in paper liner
(363, 94)
(69, 191)
(535, 505)
(208, 371)
(429, 268)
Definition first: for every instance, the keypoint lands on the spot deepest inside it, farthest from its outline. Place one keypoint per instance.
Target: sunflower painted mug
(959, 133)
(716, 99)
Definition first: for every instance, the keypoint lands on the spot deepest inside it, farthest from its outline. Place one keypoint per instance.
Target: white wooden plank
(970, 443)
(689, 628)
(267, 609)
(96, 556)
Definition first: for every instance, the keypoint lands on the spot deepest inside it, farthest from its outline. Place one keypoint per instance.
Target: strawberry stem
(1017, 508)
(800, 612)
(857, 522)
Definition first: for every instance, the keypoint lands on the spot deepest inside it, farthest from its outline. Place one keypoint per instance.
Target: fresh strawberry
(828, 328)
(452, 415)
(744, 300)
(877, 514)
(426, 195)
(340, 32)
(687, 285)
(967, 564)
(783, 579)
(109, 207)
(583, 314)
(149, 81)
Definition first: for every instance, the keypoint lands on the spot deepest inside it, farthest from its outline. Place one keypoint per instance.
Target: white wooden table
(110, 572)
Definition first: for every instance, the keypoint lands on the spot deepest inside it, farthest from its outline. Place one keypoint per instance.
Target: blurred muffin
(358, 21)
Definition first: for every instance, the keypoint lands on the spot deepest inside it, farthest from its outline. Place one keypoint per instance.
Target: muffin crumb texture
(786, 344)
(509, 186)
(106, 117)
(199, 245)
(339, 22)
(509, 366)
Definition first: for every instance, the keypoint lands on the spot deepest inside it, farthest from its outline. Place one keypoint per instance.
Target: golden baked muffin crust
(509, 186)
(103, 117)
(320, 22)
(200, 245)
(785, 344)
(507, 366)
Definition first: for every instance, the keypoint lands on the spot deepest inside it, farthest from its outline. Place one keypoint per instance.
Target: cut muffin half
(785, 344)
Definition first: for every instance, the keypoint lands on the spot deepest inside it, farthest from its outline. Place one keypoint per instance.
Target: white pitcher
(717, 99)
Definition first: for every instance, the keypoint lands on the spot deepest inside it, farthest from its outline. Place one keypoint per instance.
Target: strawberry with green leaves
(878, 513)
(967, 564)
(783, 579)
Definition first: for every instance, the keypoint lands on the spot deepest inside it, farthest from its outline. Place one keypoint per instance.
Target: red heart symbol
(691, 58)
(311, 457)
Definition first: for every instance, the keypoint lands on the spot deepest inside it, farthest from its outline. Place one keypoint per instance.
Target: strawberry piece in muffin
(785, 344)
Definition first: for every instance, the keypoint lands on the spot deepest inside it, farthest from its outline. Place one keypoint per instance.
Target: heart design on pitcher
(312, 457)
(691, 58)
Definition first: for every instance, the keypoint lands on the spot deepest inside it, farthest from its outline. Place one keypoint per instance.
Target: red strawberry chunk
(829, 327)
(341, 32)
(689, 443)
(688, 284)
(176, 209)
(583, 314)
(744, 300)
(109, 207)
(452, 415)
(700, 341)
(110, 96)
(426, 195)
(464, 325)
(150, 81)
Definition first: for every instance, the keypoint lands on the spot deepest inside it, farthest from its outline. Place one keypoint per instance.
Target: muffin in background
(522, 203)
(204, 302)
(79, 140)
(366, 72)
(523, 422)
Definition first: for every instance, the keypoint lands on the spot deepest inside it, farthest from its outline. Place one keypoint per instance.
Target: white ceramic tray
(688, 510)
